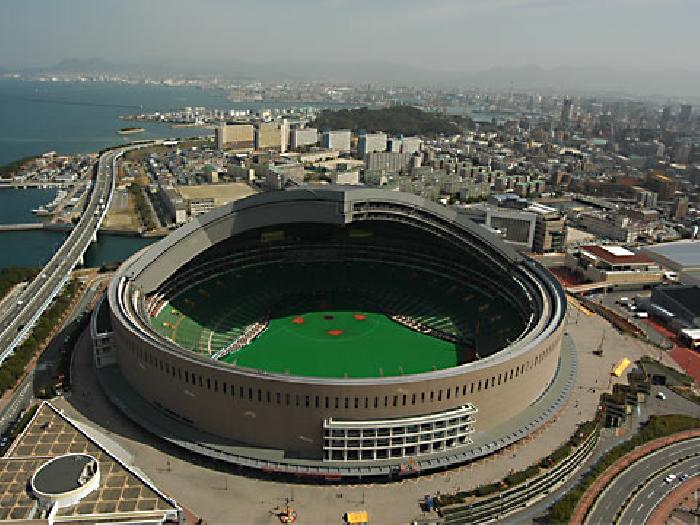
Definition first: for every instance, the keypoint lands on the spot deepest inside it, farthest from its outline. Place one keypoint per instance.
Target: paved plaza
(220, 495)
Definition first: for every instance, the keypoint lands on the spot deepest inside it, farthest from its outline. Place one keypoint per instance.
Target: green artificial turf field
(344, 344)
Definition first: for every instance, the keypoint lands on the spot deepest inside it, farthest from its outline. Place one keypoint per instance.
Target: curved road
(18, 319)
(646, 500)
(615, 495)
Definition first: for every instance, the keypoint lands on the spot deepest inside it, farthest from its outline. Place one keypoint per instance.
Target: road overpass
(17, 321)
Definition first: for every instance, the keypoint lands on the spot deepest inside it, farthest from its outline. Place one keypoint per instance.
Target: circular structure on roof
(65, 480)
(336, 327)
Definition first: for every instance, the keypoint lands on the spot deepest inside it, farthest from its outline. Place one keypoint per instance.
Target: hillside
(405, 120)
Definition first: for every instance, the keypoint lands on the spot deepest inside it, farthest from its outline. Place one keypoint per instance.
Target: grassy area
(14, 366)
(10, 277)
(656, 427)
(337, 344)
(673, 376)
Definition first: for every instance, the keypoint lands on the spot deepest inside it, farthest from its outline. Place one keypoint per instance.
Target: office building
(684, 116)
(566, 112)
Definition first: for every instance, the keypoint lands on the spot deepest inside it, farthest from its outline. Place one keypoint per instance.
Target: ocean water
(16, 205)
(82, 117)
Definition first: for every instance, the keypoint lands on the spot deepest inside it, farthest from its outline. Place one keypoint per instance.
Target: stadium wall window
(471, 391)
(413, 399)
(317, 403)
(259, 396)
(241, 392)
(250, 394)
(376, 402)
(200, 381)
(386, 401)
(478, 388)
(511, 373)
(499, 379)
(440, 395)
(187, 376)
(173, 369)
(517, 371)
(396, 400)
(404, 400)
(216, 385)
(432, 396)
(422, 397)
(493, 380)
(287, 399)
(296, 398)
(486, 384)
(223, 386)
(337, 402)
(268, 396)
(208, 384)
(366, 402)
(179, 373)
(347, 403)
(357, 403)
(278, 397)
(307, 401)
(327, 400)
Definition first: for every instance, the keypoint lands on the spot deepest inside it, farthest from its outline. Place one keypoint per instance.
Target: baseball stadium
(333, 332)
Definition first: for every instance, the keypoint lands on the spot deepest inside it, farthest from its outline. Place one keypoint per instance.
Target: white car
(670, 478)
(661, 395)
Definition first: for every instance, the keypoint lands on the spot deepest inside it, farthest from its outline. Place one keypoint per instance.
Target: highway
(46, 365)
(648, 498)
(614, 498)
(17, 320)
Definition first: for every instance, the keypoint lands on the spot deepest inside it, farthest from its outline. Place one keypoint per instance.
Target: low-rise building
(614, 266)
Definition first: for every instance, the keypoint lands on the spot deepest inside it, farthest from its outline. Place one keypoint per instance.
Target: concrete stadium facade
(339, 422)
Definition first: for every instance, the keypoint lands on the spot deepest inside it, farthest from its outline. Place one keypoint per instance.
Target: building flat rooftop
(616, 255)
(684, 253)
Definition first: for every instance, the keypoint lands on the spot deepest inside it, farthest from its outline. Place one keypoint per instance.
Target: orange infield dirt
(335, 333)
(298, 320)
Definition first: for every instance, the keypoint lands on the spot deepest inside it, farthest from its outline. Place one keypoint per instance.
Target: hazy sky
(440, 34)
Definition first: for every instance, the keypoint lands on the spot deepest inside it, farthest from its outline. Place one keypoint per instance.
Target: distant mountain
(672, 82)
(572, 79)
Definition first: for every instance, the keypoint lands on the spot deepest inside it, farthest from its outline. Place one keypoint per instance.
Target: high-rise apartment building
(268, 136)
(235, 136)
(338, 140)
(370, 142)
(300, 137)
